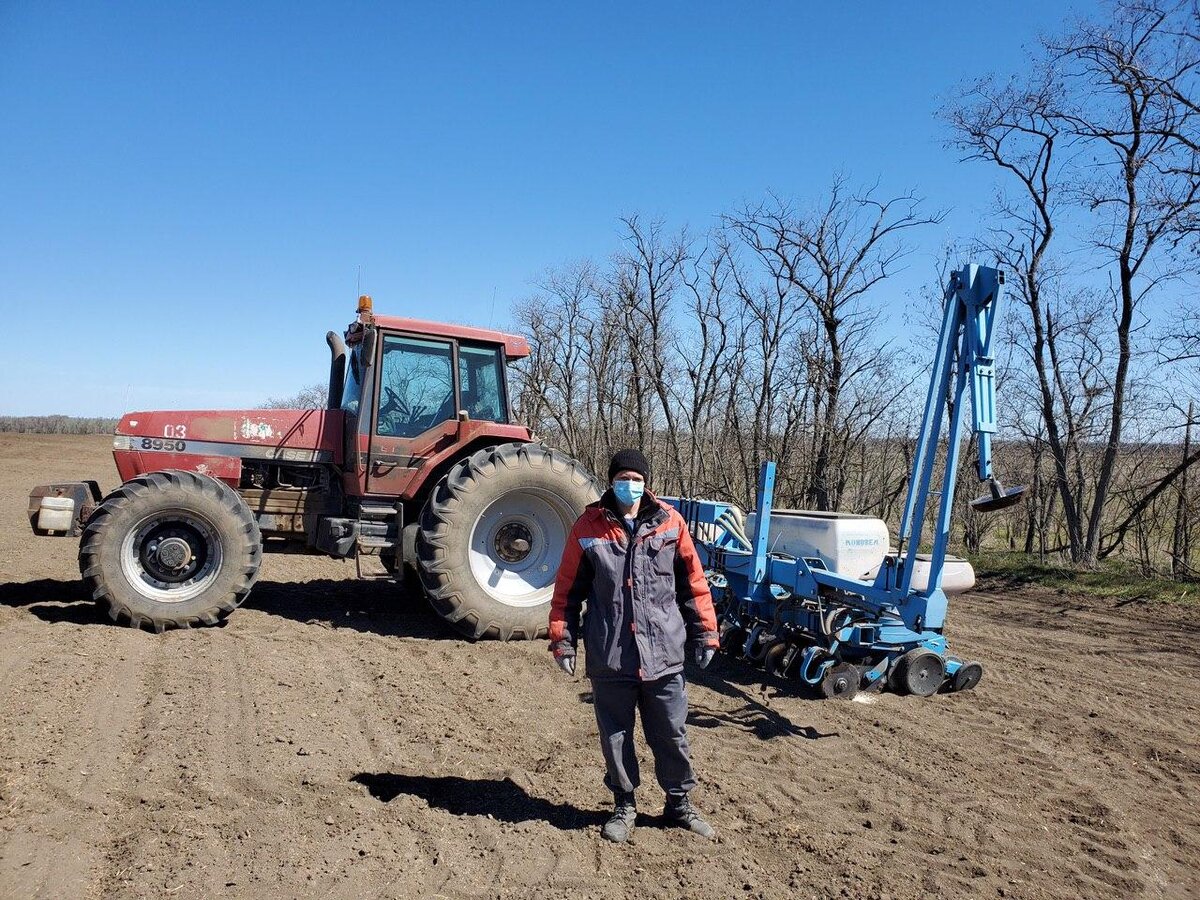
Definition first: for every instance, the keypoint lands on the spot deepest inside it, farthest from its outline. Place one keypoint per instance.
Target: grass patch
(1114, 579)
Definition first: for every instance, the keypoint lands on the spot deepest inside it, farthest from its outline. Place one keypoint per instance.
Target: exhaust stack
(337, 369)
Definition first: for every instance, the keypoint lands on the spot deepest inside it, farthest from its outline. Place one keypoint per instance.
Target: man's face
(626, 475)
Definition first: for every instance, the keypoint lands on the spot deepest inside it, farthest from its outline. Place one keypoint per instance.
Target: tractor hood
(216, 442)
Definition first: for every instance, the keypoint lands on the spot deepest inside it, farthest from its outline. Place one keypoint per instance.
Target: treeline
(767, 338)
(1152, 517)
(56, 425)
(312, 397)
(719, 352)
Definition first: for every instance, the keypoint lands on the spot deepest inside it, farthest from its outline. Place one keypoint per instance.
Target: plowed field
(333, 739)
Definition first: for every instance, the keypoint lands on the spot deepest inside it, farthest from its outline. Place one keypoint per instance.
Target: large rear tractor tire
(492, 535)
(171, 549)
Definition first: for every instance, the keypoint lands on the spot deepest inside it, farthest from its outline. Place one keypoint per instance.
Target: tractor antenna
(358, 286)
(492, 312)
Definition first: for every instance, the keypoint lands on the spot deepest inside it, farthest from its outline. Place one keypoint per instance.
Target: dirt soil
(333, 739)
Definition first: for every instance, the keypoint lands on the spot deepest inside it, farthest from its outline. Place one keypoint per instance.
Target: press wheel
(967, 676)
(919, 672)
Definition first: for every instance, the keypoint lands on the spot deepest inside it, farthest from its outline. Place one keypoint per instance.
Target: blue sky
(189, 190)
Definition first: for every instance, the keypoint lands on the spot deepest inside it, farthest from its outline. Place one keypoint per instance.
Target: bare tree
(826, 261)
(706, 357)
(1143, 182)
(648, 275)
(553, 382)
(1106, 127)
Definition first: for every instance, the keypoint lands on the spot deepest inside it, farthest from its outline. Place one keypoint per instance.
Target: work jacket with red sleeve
(645, 595)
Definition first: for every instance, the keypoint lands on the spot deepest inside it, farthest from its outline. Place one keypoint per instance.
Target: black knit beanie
(629, 461)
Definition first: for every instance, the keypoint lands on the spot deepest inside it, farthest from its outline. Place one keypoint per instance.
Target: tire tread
(95, 535)
(437, 521)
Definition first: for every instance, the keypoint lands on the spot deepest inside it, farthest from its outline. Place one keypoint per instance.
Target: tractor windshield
(416, 386)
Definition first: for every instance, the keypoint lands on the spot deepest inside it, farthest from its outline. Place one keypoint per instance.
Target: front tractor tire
(492, 535)
(171, 549)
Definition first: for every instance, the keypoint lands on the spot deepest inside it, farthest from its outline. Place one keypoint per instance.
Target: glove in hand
(704, 655)
(566, 662)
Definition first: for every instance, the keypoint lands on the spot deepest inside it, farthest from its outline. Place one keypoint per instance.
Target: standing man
(632, 560)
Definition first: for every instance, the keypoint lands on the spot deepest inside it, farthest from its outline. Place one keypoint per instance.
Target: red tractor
(414, 461)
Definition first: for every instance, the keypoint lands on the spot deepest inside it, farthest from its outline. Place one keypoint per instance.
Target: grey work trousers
(663, 704)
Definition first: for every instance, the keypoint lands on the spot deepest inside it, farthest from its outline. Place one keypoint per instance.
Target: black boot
(681, 813)
(620, 825)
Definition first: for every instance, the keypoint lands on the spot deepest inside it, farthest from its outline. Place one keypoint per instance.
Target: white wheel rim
(541, 517)
(177, 526)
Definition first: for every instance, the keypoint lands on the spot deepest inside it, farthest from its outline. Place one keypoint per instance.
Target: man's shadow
(736, 678)
(500, 798)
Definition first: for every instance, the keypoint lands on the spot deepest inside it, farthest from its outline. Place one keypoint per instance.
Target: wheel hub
(968, 676)
(171, 553)
(174, 553)
(513, 542)
(922, 672)
(516, 544)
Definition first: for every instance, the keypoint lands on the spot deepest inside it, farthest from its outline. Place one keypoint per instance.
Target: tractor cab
(412, 391)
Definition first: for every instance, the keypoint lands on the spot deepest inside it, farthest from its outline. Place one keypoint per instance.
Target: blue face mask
(628, 492)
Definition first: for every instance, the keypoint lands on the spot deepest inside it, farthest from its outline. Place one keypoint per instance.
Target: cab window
(481, 380)
(416, 386)
(353, 386)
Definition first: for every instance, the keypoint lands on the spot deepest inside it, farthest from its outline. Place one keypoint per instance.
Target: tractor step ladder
(375, 538)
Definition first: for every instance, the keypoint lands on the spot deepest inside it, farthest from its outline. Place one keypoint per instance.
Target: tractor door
(416, 409)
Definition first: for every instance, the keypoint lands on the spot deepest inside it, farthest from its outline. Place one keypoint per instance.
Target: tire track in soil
(118, 870)
(271, 692)
(1080, 824)
(379, 850)
(306, 750)
(403, 746)
(369, 680)
(187, 806)
(82, 712)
